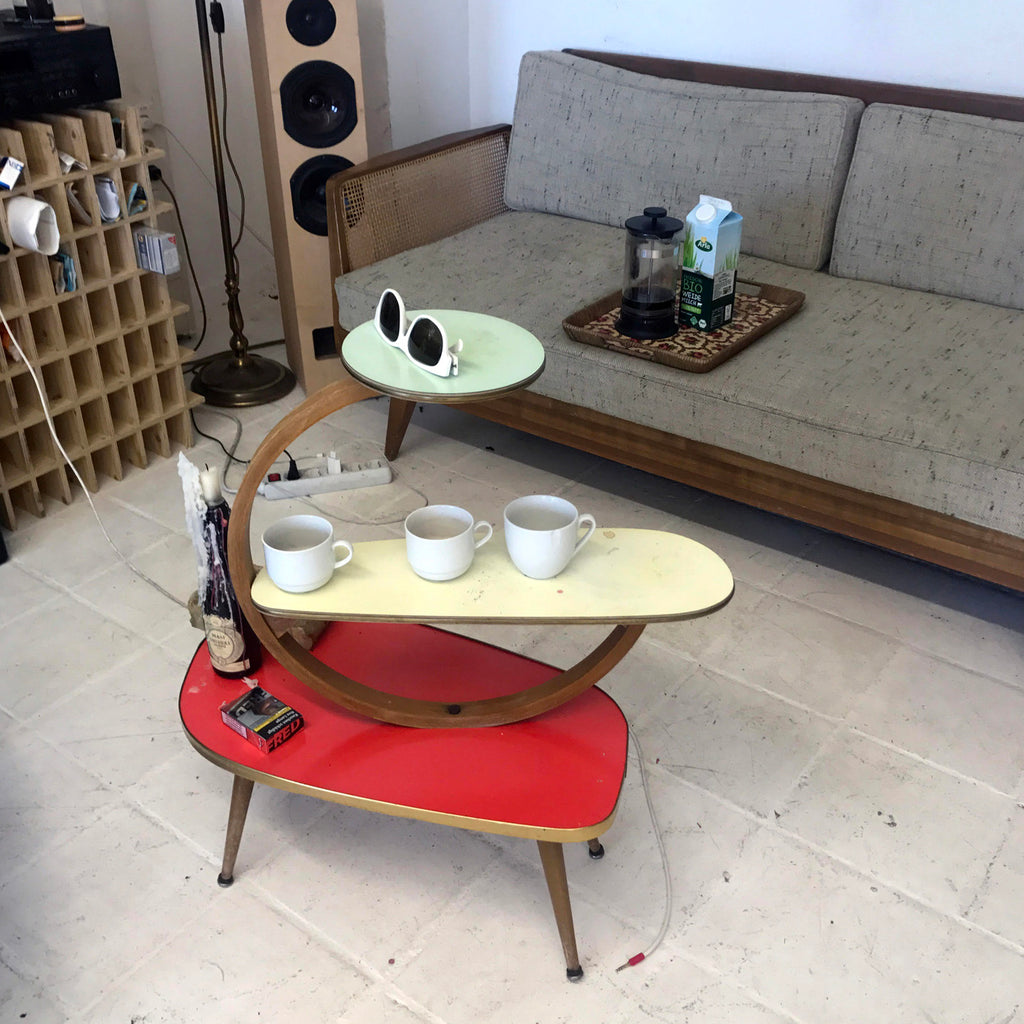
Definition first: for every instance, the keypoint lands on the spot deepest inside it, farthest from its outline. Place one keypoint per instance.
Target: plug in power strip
(326, 475)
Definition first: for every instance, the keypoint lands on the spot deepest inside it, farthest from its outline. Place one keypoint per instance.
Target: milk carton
(708, 257)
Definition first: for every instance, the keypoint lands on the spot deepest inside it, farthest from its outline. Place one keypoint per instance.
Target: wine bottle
(234, 649)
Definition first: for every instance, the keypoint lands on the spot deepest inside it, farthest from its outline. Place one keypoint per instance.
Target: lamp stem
(239, 344)
(236, 378)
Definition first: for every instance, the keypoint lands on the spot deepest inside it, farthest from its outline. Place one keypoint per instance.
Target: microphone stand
(237, 378)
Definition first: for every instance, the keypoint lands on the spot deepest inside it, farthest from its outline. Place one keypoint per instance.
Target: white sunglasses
(424, 341)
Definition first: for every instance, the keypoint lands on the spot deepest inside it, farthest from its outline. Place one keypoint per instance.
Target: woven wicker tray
(758, 308)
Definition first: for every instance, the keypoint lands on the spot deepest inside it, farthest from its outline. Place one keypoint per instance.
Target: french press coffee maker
(649, 281)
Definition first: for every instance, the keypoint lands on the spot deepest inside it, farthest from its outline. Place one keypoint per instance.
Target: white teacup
(440, 541)
(542, 534)
(301, 553)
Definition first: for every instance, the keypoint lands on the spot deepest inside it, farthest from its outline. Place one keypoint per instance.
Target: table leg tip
(574, 973)
(225, 880)
(596, 853)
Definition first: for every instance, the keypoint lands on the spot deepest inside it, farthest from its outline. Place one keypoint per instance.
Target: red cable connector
(631, 962)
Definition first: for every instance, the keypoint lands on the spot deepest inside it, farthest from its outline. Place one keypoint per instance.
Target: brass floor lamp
(237, 378)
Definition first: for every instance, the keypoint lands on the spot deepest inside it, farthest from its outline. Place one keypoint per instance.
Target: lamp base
(235, 382)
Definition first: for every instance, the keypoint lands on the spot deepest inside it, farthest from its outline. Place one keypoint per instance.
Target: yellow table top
(620, 576)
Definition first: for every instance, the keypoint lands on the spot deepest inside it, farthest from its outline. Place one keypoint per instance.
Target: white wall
(428, 73)
(436, 66)
(938, 43)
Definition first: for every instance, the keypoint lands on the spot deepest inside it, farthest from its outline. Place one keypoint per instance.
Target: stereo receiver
(43, 70)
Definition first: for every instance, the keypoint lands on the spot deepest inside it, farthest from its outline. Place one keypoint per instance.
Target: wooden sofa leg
(558, 888)
(241, 792)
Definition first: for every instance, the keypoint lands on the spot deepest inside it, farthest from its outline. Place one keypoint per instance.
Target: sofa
(890, 408)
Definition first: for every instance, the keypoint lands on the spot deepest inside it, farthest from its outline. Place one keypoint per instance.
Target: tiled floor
(836, 760)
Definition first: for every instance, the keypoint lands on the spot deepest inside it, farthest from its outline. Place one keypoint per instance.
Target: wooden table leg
(558, 888)
(595, 848)
(399, 414)
(241, 791)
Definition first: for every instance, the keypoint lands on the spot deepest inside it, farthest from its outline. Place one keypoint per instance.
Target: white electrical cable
(305, 500)
(667, 915)
(53, 431)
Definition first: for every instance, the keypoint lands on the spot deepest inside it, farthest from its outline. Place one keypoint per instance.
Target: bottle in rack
(234, 649)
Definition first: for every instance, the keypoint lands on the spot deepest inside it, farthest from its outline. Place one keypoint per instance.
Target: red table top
(543, 778)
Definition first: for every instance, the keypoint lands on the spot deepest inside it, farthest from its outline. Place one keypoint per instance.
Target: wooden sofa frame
(426, 192)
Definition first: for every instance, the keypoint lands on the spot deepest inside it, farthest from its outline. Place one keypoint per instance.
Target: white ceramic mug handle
(486, 537)
(585, 520)
(348, 557)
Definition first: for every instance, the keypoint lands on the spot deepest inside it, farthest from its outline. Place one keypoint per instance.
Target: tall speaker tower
(307, 77)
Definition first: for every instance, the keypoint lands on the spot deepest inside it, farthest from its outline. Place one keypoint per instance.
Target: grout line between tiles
(40, 577)
(115, 561)
(143, 514)
(580, 892)
(824, 747)
(928, 763)
(49, 846)
(117, 794)
(809, 844)
(729, 982)
(272, 903)
(844, 720)
(466, 894)
(59, 592)
(748, 993)
(367, 970)
(154, 952)
(902, 641)
(745, 682)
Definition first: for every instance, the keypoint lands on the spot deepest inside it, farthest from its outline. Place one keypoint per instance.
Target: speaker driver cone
(318, 103)
(311, 22)
(309, 191)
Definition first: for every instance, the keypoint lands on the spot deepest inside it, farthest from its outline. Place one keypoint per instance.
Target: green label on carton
(709, 256)
(698, 305)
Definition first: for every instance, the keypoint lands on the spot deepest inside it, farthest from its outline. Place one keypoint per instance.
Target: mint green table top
(497, 357)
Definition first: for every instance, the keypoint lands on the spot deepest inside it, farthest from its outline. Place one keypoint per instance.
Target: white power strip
(329, 475)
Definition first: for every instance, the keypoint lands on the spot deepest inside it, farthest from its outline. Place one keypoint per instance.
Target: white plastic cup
(542, 534)
(441, 540)
(301, 554)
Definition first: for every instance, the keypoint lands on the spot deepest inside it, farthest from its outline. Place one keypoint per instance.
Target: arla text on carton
(708, 257)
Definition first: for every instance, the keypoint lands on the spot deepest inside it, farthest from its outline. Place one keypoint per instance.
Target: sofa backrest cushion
(935, 201)
(600, 143)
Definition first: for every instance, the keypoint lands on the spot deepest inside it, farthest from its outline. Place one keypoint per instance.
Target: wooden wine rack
(106, 353)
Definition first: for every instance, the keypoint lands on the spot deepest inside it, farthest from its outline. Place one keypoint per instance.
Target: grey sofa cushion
(892, 391)
(599, 143)
(935, 201)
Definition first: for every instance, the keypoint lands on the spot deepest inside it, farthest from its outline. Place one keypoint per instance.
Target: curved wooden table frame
(349, 693)
(592, 594)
